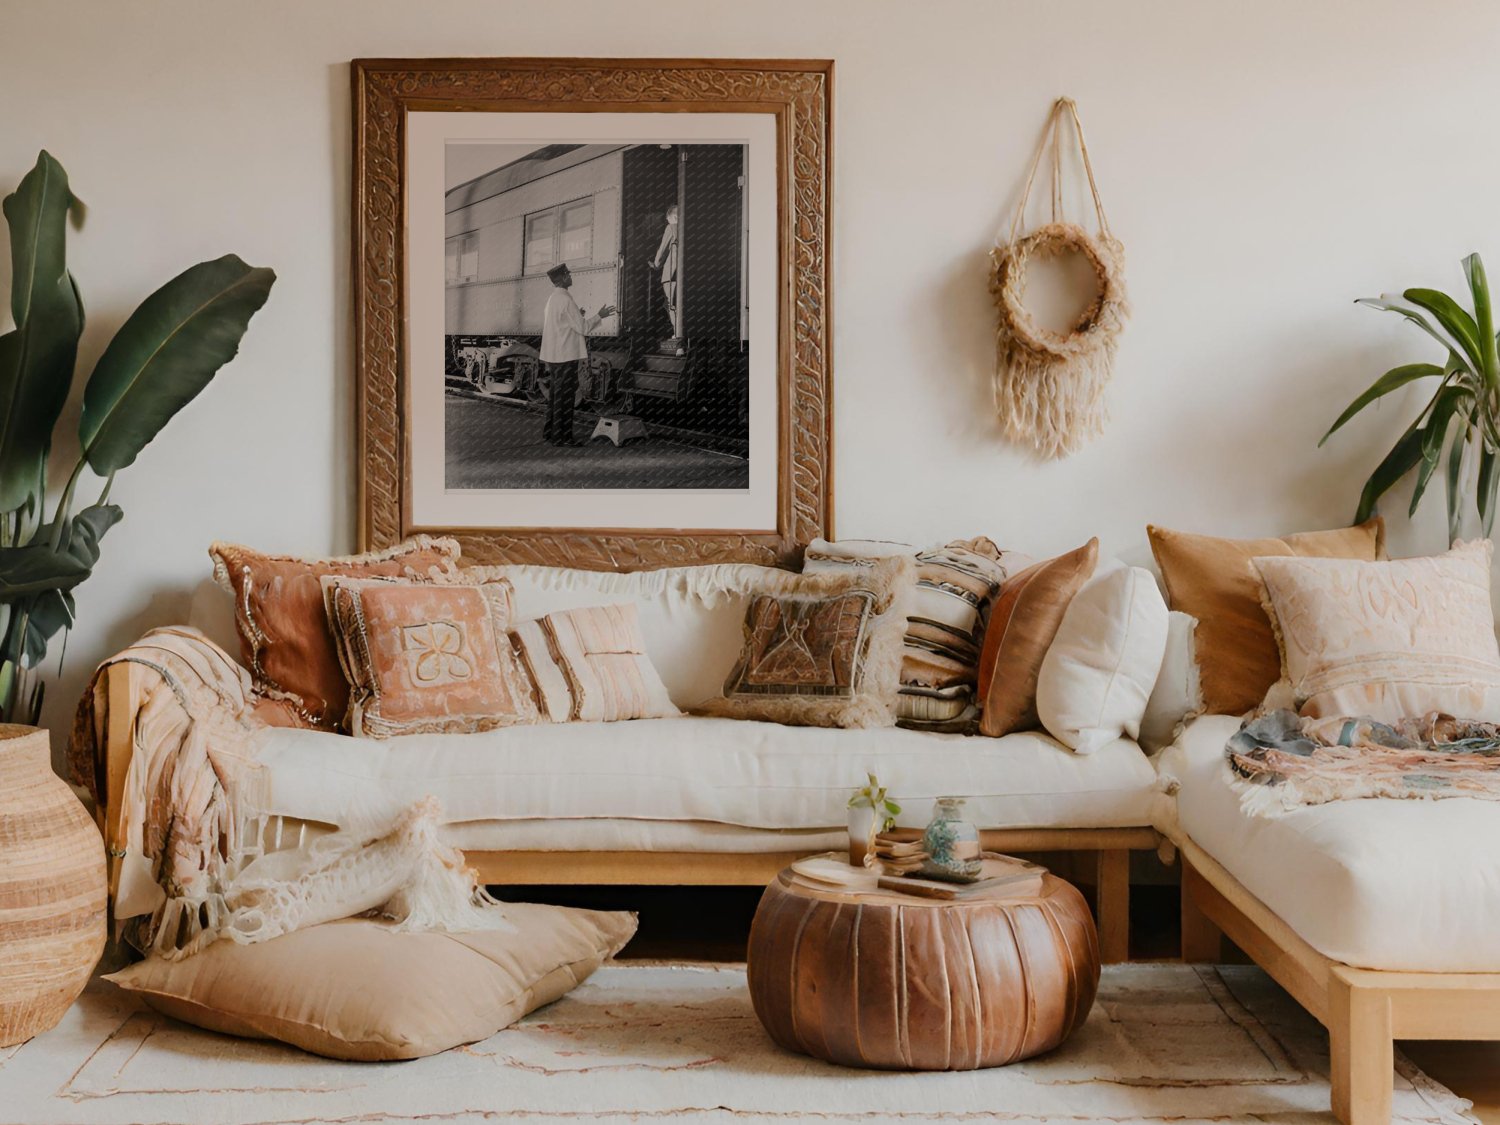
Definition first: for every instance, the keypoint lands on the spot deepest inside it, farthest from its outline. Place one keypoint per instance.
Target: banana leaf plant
(164, 354)
(1457, 428)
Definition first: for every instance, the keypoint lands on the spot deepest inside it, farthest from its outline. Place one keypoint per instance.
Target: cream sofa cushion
(1178, 695)
(356, 990)
(1390, 640)
(728, 771)
(1099, 670)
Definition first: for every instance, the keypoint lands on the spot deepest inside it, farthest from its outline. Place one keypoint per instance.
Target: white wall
(1264, 164)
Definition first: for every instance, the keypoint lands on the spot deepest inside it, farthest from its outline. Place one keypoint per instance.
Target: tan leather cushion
(356, 990)
(1214, 580)
(1022, 624)
(427, 656)
(278, 611)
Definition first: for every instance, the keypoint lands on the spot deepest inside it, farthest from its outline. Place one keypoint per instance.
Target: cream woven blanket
(197, 858)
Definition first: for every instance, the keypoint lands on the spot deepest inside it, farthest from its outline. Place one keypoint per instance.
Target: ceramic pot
(52, 888)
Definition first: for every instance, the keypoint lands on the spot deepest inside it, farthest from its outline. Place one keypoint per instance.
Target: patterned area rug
(641, 1042)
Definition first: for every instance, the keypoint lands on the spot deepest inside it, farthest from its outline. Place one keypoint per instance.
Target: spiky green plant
(163, 355)
(1457, 427)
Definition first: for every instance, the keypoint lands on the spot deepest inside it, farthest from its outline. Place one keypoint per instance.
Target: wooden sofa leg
(1202, 941)
(1112, 886)
(1361, 1052)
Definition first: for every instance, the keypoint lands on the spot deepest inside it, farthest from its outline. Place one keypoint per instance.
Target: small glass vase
(951, 843)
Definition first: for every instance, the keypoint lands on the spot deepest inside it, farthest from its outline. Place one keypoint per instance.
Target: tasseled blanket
(1280, 761)
(190, 844)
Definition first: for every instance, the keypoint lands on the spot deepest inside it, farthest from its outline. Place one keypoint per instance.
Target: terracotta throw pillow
(823, 649)
(285, 639)
(427, 657)
(356, 990)
(1388, 640)
(590, 665)
(1214, 580)
(1026, 617)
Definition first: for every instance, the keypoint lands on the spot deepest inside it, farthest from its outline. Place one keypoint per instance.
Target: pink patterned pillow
(590, 665)
(427, 657)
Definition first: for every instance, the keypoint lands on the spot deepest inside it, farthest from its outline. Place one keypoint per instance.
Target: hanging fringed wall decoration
(1049, 386)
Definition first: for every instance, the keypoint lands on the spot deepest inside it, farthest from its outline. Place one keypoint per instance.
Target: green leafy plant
(1457, 427)
(873, 796)
(164, 354)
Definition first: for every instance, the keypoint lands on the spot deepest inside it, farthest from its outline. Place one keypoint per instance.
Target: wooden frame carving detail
(797, 92)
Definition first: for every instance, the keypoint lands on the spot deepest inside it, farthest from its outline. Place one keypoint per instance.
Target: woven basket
(52, 889)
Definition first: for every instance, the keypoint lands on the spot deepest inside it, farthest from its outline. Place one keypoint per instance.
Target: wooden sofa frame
(1364, 1010)
(1111, 846)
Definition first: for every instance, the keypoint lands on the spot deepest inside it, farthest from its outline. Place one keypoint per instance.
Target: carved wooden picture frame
(389, 95)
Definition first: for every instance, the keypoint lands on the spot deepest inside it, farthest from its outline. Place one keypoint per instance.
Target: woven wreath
(1049, 386)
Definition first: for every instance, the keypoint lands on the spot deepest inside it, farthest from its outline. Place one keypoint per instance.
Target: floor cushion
(357, 990)
(1376, 883)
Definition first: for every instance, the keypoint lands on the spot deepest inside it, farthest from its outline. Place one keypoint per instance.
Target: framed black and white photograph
(609, 298)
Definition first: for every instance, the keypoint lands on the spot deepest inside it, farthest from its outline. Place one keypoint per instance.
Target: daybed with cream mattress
(1379, 915)
(687, 800)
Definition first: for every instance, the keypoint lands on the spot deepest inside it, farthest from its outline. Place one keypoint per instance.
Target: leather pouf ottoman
(889, 980)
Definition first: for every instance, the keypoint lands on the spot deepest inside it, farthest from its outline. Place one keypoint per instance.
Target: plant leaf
(168, 351)
(1402, 458)
(1392, 302)
(1488, 480)
(1455, 475)
(35, 568)
(1445, 404)
(1484, 316)
(1454, 319)
(37, 356)
(1393, 379)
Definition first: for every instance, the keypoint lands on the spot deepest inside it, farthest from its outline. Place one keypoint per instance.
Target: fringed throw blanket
(191, 841)
(1281, 761)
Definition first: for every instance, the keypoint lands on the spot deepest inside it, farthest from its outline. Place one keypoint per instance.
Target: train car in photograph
(602, 209)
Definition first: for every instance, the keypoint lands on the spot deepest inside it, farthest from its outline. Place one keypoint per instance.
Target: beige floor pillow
(356, 990)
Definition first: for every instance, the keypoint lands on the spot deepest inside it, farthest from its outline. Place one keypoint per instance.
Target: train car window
(461, 259)
(578, 231)
(541, 242)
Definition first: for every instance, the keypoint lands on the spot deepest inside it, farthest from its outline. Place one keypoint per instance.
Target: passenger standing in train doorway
(564, 347)
(666, 261)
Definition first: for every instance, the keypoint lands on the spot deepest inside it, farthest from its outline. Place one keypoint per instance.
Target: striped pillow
(590, 665)
(956, 584)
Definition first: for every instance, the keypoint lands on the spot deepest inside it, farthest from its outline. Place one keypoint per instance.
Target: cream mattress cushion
(730, 771)
(1379, 884)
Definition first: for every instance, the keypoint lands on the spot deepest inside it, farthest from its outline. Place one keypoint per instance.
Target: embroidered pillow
(590, 665)
(956, 584)
(1213, 580)
(424, 657)
(1387, 640)
(1025, 619)
(823, 649)
(284, 635)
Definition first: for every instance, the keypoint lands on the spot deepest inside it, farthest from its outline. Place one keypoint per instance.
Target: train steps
(659, 375)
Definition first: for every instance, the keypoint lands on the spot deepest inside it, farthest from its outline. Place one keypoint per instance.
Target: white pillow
(1178, 694)
(1098, 674)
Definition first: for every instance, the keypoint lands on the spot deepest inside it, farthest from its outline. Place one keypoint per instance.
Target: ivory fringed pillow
(823, 650)
(590, 665)
(285, 639)
(1388, 640)
(427, 657)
